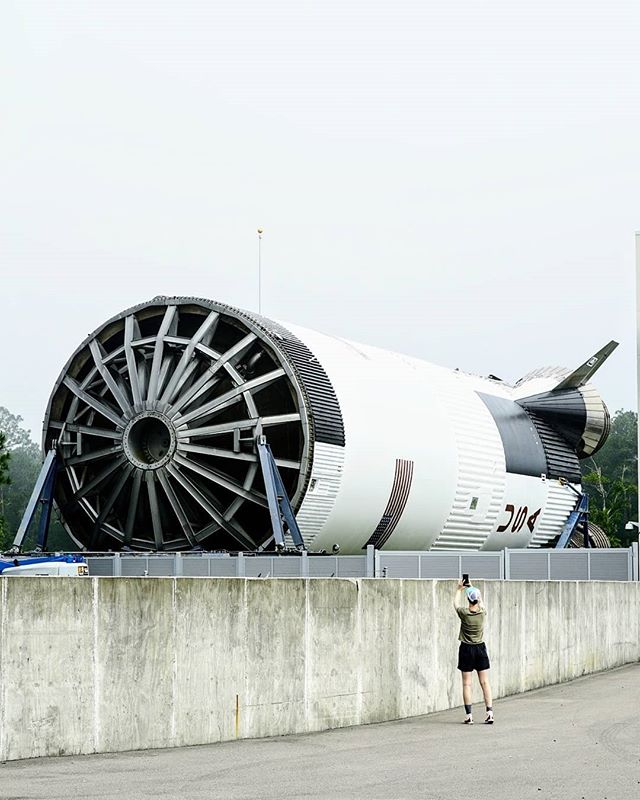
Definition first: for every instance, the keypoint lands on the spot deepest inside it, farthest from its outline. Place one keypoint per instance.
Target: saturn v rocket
(155, 419)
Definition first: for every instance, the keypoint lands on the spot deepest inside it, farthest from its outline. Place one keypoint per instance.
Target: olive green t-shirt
(471, 625)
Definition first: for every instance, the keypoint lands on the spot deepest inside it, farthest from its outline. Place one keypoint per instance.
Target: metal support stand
(579, 516)
(279, 505)
(42, 494)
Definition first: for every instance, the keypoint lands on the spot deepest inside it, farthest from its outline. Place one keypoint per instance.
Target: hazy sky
(456, 180)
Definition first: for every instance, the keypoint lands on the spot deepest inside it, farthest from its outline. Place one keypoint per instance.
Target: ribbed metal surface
(528, 566)
(560, 503)
(328, 426)
(351, 566)
(569, 565)
(606, 564)
(551, 373)
(562, 461)
(440, 565)
(322, 490)
(196, 567)
(400, 566)
(564, 411)
(480, 464)
(483, 565)
(100, 566)
(222, 567)
(612, 565)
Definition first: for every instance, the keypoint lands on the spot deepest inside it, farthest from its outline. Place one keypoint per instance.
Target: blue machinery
(279, 505)
(282, 516)
(28, 562)
(42, 495)
(578, 517)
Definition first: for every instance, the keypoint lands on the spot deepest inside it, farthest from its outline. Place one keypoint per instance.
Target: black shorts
(472, 656)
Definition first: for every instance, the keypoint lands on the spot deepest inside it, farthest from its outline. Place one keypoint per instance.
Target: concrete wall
(104, 664)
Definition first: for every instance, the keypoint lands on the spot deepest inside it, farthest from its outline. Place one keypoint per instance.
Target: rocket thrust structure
(156, 414)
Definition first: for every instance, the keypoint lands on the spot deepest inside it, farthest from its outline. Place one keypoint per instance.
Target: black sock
(467, 709)
(489, 708)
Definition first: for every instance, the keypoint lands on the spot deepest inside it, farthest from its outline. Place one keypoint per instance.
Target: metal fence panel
(286, 567)
(482, 565)
(440, 565)
(197, 567)
(569, 565)
(535, 564)
(259, 567)
(399, 565)
(101, 566)
(222, 567)
(133, 566)
(610, 565)
(351, 566)
(323, 567)
(161, 567)
(528, 565)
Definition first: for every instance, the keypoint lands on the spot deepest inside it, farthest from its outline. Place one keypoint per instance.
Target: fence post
(177, 565)
(239, 565)
(304, 564)
(116, 566)
(504, 564)
(377, 572)
(635, 566)
(370, 571)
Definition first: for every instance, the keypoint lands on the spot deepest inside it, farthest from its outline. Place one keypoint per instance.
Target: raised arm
(458, 601)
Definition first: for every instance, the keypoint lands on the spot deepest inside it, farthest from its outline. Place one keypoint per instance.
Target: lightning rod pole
(260, 232)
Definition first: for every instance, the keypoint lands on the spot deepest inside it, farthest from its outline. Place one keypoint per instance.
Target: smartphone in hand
(465, 579)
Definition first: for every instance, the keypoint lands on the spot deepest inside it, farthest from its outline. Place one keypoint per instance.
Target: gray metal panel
(323, 566)
(610, 565)
(259, 567)
(287, 567)
(531, 565)
(196, 567)
(101, 566)
(483, 565)
(352, 566)
(569, 565)
(399, 565)
(440, 565)
(223, 567)
(133, 566)
(161, 567)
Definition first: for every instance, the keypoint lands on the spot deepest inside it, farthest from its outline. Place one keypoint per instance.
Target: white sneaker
(468, 720)
(489, 719)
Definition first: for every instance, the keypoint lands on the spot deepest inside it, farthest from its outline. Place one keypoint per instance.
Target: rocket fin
(585, 372)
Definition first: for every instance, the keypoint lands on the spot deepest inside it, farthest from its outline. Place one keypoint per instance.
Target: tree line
(610, 478)
(20, 462)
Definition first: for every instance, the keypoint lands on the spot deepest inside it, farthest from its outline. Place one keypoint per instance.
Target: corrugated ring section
(328, 426)
(562, 462)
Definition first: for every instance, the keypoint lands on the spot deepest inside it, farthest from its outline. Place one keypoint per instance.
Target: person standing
(472, 654)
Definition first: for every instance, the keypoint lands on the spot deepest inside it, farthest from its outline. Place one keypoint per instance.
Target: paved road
(578, 740)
